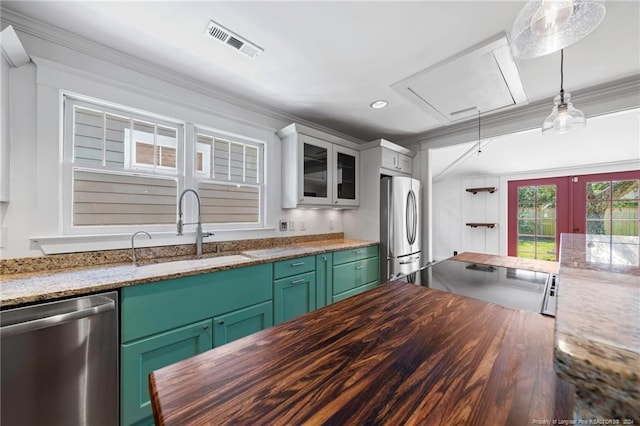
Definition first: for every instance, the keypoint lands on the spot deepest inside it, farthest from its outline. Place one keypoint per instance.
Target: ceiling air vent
(220, 33)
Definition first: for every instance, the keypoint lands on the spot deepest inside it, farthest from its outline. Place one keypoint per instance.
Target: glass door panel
(345, 188)
(315, 171)
(534, 225)
(346, 178)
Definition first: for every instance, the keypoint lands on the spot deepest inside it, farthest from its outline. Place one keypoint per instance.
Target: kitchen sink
(167, 264)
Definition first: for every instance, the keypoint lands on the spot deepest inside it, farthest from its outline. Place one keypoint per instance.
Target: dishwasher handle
(40, 323)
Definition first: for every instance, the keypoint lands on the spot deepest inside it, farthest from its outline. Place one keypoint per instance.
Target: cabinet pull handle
(300, 281)
(297, 264)
(359, 267)
(358, 252)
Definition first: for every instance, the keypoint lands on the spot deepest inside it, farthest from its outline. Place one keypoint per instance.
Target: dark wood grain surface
(398, 354)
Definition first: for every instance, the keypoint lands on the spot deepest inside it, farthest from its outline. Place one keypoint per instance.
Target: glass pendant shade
(546, 26)
(564, 117)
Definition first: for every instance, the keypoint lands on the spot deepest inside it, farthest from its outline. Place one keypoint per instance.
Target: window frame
(261, 174)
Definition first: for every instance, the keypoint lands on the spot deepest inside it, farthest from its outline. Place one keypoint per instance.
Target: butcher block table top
(398, 354)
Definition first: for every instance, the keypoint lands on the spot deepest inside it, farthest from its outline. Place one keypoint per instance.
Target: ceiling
(529, 151)
(327, 61)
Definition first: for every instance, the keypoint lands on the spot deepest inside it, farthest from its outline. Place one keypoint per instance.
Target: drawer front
(354, 274)
(287, 268)
(345, 256)
(354, 291)
(156, 307)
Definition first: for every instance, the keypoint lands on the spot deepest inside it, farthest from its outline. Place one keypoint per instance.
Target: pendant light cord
(479, 147)
(561, 76)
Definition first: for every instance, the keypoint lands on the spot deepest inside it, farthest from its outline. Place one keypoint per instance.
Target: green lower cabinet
(354, 291)
(355, 274)
(241, 323)
(143, 356)
(294, 296)
(324, 279)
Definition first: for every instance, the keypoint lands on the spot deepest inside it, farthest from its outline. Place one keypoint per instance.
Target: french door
(538, 213)
(539, 210)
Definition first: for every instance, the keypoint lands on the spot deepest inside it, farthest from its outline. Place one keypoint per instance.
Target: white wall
(453, 207)
(36, 206)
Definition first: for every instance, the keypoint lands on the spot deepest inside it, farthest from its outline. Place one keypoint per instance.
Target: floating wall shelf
(488, 225)
(489, 189)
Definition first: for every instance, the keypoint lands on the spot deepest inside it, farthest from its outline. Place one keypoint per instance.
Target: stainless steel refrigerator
(400, 226)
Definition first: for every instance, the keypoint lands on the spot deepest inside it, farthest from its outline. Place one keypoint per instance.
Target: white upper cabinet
(317, 172)
(393, 160)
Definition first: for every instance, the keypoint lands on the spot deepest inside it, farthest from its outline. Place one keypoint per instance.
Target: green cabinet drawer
(324, 279)
(141, 357)
(354, 291)
(294, 296)
(345, 256)
(287, 268)
(155, 307)
(354, 274)
(243, 322)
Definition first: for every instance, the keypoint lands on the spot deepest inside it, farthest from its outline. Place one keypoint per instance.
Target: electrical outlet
(292, 225)
(283, 225)
(331, 225)
(302, 226)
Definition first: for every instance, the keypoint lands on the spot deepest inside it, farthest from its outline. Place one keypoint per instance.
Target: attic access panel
(484, 78)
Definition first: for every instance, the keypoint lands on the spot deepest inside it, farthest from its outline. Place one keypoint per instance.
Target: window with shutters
(125, 168)
(229, 177)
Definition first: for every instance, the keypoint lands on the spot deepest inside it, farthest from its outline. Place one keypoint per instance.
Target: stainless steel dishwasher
(59, 362)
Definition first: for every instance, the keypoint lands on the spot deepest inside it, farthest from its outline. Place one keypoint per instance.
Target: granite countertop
(597, 339)
(397, 354)
(22, 288)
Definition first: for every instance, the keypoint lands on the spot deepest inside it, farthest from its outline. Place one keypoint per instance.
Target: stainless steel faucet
(133, 249)
(199, 234)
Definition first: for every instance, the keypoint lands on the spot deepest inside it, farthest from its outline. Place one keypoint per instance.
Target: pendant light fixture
(564, 117)
(546, 26)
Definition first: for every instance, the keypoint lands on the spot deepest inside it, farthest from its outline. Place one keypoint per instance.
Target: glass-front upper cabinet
(315, 165)
(346, 176)
(316, 171)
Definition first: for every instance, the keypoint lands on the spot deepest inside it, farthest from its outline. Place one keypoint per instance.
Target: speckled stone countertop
(597, 339)
(30, 287)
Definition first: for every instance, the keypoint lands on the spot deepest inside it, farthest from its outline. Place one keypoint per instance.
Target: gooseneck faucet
(199, 234)
(133, 248)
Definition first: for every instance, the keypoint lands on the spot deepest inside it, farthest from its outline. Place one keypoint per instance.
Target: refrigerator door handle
(411, 217)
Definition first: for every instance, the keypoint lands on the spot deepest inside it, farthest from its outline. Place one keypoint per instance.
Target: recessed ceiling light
(379, 104)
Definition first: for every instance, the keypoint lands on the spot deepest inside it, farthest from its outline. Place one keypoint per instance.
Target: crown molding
(58, 36)
(615, 96)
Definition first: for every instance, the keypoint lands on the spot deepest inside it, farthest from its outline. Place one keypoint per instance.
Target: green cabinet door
(294, 296)
(324, 279)
(241, 323)
(143, 356)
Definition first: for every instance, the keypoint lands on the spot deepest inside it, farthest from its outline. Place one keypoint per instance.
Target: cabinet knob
(335, 202)
(221, 322)
(205, 327)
